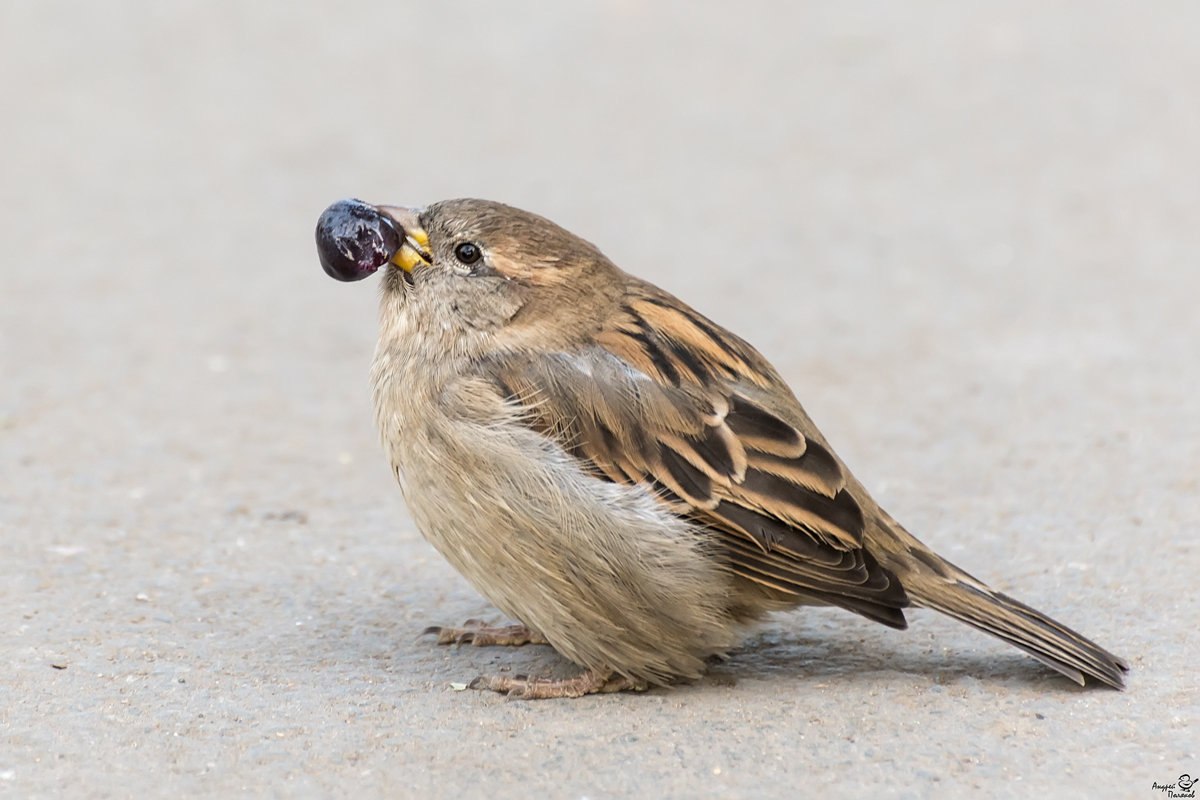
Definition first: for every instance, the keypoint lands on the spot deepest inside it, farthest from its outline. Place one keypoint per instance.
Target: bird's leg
(475, 632)
(522, 687)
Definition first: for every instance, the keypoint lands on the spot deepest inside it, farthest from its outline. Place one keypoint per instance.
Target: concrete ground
(968, 235)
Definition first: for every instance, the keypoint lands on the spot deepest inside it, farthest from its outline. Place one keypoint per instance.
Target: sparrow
(633, 484)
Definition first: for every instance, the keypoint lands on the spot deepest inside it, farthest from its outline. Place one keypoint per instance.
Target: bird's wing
(664, 398)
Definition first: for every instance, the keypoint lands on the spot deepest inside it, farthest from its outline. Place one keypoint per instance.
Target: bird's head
(473, 264)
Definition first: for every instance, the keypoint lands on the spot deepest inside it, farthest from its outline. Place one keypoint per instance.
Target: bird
(627, 480)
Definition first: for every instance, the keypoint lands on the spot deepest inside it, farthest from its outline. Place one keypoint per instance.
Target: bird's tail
(936, 583)
(1050, 642)
(948, 589)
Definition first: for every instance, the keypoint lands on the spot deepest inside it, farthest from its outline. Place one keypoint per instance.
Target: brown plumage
(626, 478)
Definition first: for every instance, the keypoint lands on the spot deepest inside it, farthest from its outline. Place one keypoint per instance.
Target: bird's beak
(414, 241)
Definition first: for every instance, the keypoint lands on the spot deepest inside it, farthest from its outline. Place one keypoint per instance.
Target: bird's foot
(475, 632)
(522, 687)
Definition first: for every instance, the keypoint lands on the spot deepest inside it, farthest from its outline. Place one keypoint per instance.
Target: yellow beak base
(414, 247)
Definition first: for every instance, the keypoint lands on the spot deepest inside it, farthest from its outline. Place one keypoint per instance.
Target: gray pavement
(968, 235)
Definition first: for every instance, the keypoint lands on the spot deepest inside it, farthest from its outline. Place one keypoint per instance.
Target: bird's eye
(468, 253)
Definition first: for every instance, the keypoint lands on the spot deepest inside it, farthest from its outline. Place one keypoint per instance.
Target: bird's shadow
(798, 658)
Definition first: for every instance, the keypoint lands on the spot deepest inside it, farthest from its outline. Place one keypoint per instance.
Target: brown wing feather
(667, 400)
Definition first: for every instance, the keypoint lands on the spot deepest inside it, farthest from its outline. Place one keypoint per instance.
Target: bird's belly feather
(611, 578)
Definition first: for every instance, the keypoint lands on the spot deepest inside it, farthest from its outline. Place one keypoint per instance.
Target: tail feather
(1050, 642)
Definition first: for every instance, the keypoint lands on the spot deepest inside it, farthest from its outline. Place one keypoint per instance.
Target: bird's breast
(604, 571)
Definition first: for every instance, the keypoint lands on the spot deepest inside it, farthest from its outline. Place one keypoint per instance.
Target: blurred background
(966, 234)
